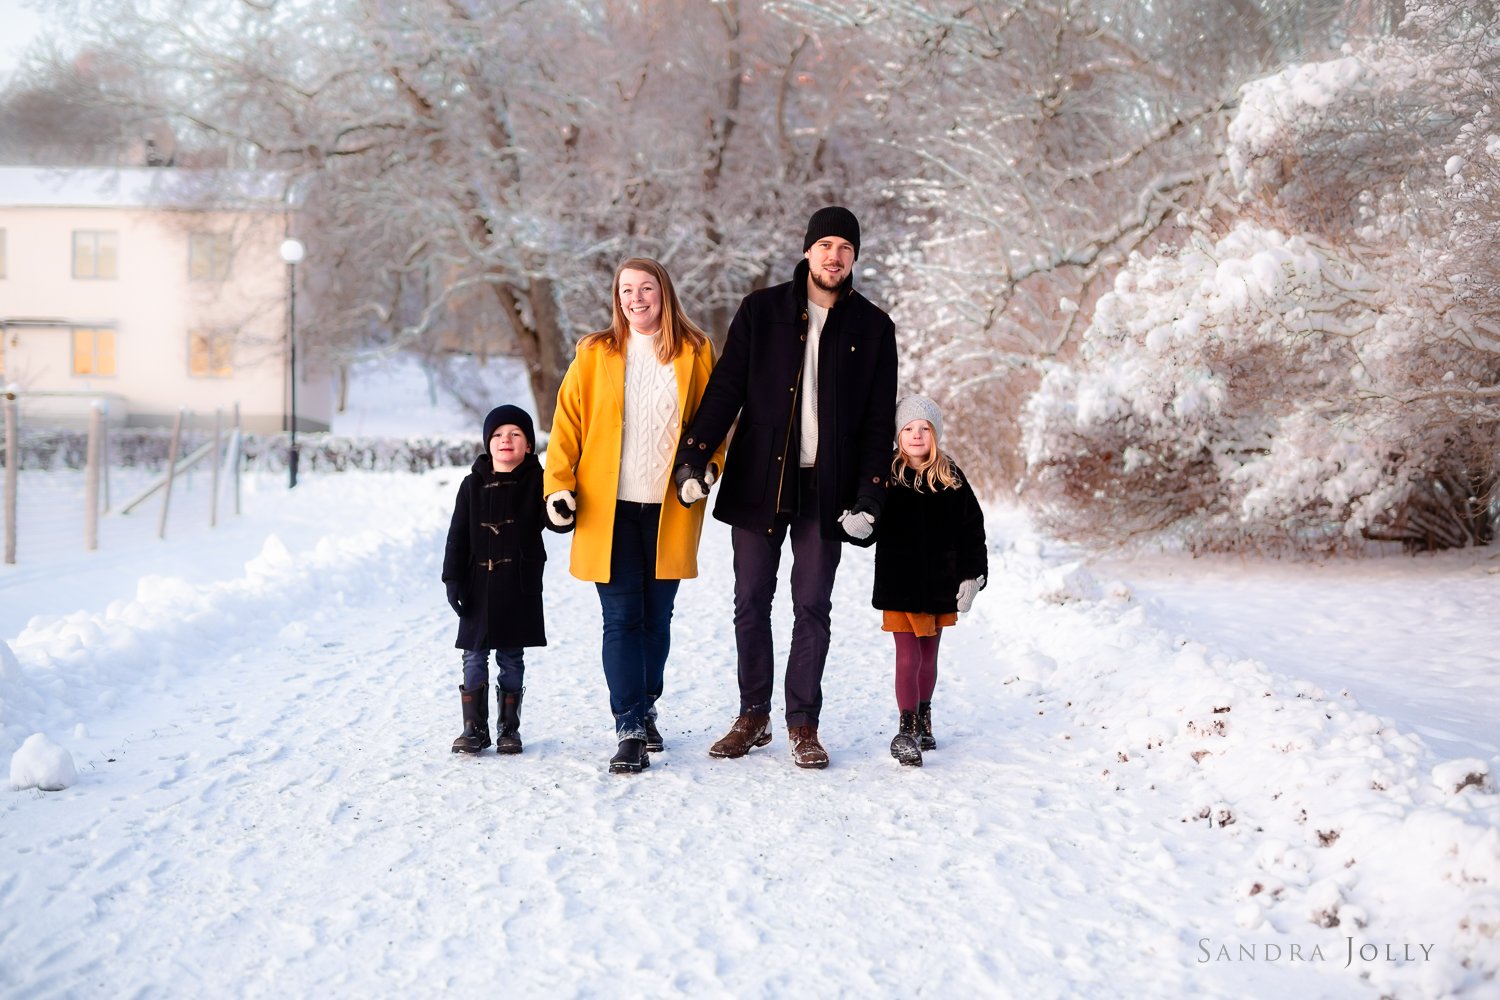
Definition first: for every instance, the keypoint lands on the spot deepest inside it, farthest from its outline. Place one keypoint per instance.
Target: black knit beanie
(832, 221)
(508, 414)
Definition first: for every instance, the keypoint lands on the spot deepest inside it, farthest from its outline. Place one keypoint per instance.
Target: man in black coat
(809, 371)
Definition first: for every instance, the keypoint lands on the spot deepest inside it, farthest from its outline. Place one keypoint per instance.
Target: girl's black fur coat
(495, 552)
(926, 544)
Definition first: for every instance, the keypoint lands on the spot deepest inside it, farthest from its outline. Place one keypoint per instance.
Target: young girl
(930, 561)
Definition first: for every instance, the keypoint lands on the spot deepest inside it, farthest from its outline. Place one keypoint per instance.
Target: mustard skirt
(916, 622)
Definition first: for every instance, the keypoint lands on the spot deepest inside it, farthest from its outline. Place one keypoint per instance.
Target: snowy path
(267, 807)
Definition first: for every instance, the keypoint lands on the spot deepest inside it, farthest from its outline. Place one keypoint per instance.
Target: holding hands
(562, 509)
(692, 484)
(858, 521)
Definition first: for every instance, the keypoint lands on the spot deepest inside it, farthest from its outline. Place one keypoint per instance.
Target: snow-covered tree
(1327, 370)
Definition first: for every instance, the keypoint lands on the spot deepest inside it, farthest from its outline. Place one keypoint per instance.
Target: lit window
(93, 351)
(94, 252)
(208, 256)
(211, 353)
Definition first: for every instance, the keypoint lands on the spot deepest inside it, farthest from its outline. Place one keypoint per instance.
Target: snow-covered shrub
(1327, 370)
(1256, 391)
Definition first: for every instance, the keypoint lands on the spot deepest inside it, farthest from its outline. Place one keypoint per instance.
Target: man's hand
(562, 508)
(967, 589)
(858, 521)
(692, 483)
(455, 598)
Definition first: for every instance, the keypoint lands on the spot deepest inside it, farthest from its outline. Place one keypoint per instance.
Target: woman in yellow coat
(623, 403)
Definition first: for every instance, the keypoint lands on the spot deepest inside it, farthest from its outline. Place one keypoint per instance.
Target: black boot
(631, 758)
(653, 737)
(508, 725)
(924, 726)
(476, 734)
(904, 744)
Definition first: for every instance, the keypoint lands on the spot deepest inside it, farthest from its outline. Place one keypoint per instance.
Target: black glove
(692, 483)
(455, 598)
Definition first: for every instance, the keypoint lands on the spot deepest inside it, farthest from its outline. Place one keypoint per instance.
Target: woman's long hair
(677, 331)
(936, 470)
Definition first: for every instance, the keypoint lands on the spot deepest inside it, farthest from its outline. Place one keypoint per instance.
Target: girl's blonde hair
(677, 331)
(936, 470)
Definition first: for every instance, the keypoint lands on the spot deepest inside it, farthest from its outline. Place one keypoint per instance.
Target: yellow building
(156, 289)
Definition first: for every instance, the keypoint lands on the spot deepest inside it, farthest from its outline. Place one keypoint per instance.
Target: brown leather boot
(749, 730)
(806, 750)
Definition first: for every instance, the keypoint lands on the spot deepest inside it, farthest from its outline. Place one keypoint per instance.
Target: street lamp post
(292, 252)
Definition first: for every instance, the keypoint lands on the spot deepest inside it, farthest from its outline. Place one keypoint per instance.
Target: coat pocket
(749, 464)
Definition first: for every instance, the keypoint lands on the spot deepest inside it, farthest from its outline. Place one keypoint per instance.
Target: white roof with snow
(140, 187)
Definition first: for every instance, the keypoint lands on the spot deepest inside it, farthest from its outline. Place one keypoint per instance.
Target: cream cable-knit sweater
(816, 316)
(649, 438)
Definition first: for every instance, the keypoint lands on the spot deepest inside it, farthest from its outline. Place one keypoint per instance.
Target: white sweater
(808, 452)
(649, 438)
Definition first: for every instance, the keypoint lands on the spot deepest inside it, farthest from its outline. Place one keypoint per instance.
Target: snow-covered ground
(1160, 777)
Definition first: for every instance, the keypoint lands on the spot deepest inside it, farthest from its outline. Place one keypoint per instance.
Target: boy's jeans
(510, 664)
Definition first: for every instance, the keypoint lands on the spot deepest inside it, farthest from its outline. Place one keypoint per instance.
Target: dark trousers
(815, 561)
(637, 612)
(510, 668)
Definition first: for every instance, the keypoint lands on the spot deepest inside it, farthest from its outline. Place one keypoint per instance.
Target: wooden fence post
(12, 433)
(91, 481)
(239, 444)
(213, 498)
(166, 497)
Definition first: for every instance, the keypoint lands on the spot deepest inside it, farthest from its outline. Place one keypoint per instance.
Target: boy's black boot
(904, 744)
(924, 726)
(508, 727)
(476, 734)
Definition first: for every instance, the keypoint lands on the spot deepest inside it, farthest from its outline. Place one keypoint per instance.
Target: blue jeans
(510, 673)
(637, 613)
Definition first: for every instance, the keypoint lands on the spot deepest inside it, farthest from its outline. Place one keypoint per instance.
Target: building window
(93, 351)
(208, 256)
(211, 353)
(94, 253)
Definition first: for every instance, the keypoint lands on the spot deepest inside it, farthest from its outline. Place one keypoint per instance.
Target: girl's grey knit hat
(909, 408)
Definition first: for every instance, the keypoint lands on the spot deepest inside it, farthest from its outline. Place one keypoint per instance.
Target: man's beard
(822, 282)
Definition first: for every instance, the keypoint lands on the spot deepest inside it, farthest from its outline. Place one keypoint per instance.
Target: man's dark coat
(759, 381)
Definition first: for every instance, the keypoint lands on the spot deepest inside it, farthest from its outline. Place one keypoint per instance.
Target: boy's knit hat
(832, 221)
(508, 414)
(909, 408)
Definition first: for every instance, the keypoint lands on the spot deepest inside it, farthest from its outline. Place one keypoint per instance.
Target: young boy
(492, 566)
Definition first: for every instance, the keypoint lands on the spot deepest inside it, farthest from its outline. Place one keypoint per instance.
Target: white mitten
(967, 590)
(857, 525)
(562, 507)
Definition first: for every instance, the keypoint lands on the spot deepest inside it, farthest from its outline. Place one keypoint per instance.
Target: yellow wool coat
(583, 455)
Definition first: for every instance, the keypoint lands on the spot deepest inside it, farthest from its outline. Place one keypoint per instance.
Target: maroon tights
(916, 668)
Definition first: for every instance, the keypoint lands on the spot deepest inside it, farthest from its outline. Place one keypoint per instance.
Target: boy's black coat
(926, 544)
(495, 553)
